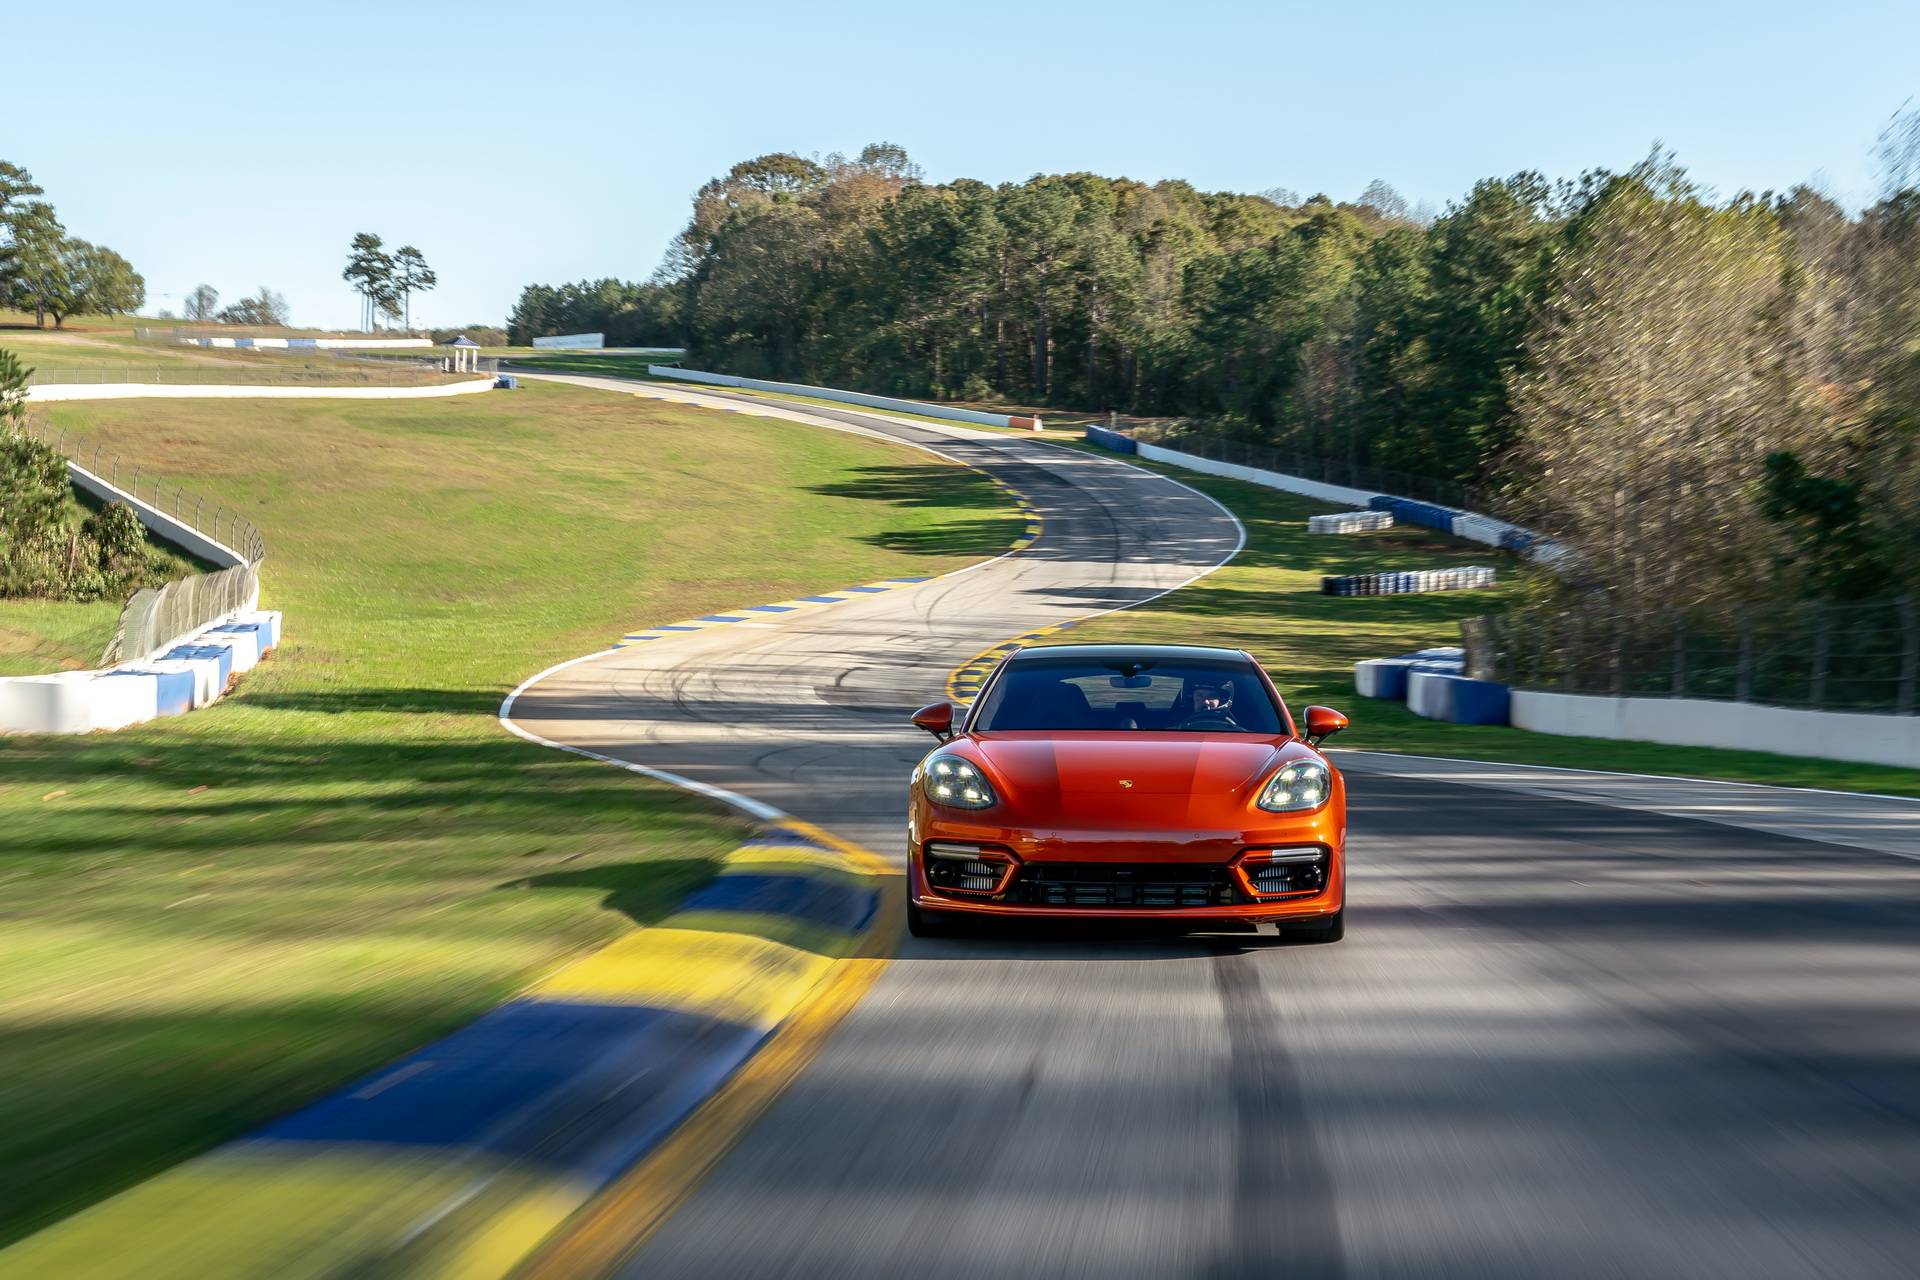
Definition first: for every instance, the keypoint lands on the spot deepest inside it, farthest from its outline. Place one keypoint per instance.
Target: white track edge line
(1621, 773)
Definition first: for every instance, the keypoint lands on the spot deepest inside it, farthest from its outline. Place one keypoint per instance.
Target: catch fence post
(1909, 656)
(1743, 675)
(1566, 652)
(1822, 643)
(1679, 656)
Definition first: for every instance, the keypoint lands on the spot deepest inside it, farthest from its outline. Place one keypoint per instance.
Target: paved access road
(1562, 1038)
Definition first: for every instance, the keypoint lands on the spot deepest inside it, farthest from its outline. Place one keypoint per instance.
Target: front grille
(1122, 884)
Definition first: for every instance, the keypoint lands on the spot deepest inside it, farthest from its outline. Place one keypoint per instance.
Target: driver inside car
(1213, 700)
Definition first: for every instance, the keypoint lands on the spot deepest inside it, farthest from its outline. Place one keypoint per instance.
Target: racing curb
(628, 1072)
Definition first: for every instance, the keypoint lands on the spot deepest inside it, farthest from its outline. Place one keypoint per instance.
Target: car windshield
(1184, 695)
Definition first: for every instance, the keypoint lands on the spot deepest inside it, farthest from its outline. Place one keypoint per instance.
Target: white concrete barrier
(1335, 493)
(205, 673)
(190, 391)
(1697, 722)
(98, 701)
(178, 532)
(246, 648)
(123, 699)
(76, 702)
(306, 344)
(894, 403)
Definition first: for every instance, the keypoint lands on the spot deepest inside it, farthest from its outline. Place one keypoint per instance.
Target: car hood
(1084, 771)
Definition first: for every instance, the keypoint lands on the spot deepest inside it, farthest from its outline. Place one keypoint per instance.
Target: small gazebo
(465, 357)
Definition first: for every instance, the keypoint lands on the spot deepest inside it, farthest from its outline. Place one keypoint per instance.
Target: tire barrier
(1456, 699)
(1387, 677)
(192, 674)
(1111, 440)
(1427, 515)
(1414, 582)
(1350, 522)
(1461, 524)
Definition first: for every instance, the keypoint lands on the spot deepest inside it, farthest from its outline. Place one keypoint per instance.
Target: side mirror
(936, 719)
(1322, 723)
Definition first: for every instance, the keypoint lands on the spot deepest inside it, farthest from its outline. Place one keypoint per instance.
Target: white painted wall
(188, 391)
(573, 341)
(174, 531)
(1253, 475)
(1696, 722)
(846, 397)
(303, 344)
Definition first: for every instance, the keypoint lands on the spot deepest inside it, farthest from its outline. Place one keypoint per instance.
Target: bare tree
(1667, 367)
(202, 303)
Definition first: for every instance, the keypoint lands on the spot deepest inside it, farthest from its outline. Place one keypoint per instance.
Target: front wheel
(1327, 929)
(927, 924)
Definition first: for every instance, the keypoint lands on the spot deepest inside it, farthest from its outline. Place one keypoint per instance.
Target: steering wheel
(1207, 719)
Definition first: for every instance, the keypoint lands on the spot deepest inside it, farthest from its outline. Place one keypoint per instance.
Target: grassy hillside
(1268, 601)
(214, 918)
(118, 357)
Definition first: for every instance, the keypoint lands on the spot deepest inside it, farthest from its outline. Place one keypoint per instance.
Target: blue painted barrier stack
(1387, 677)
(1456, 699)
(1111, 440)
(173, 689)
(220, 652)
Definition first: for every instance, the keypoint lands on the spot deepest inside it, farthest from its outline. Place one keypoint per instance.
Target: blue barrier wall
(1111, 440)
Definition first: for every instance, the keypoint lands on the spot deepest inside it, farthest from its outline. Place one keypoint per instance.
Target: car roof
(1151, 652)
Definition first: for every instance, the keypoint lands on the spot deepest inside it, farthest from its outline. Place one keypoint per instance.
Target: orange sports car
(1153, 782)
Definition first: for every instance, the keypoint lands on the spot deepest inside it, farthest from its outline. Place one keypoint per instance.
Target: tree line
(630, 314)
(50, 273)
(1706, 396)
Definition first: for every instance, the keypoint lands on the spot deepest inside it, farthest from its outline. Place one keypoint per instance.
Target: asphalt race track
(1562, 1038)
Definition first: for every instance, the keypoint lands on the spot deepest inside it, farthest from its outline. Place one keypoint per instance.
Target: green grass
(86, 358)
(38, 636)
(1268, 602)
(214, 918)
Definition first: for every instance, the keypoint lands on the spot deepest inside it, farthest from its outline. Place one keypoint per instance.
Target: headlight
(1304, 784)
(955, 782)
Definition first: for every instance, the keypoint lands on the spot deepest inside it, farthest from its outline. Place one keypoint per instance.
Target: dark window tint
(1184, 695)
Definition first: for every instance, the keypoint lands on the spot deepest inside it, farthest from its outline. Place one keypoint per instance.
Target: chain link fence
(1817, 656)
(155, 617)
(264, 369)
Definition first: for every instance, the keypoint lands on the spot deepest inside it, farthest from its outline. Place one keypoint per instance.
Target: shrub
(119, 544)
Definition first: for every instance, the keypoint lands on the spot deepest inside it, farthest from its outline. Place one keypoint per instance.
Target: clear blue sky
(244, 145)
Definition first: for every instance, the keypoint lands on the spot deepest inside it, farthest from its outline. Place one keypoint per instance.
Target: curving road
(1565, 1036)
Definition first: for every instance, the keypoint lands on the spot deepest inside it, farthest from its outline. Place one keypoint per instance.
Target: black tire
(1328, 929)
(927, 924)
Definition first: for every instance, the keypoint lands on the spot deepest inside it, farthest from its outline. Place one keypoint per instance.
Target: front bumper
(1102, 875)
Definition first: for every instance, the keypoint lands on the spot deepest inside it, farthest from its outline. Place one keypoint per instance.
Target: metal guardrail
(157, 616)
(1817, 656)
